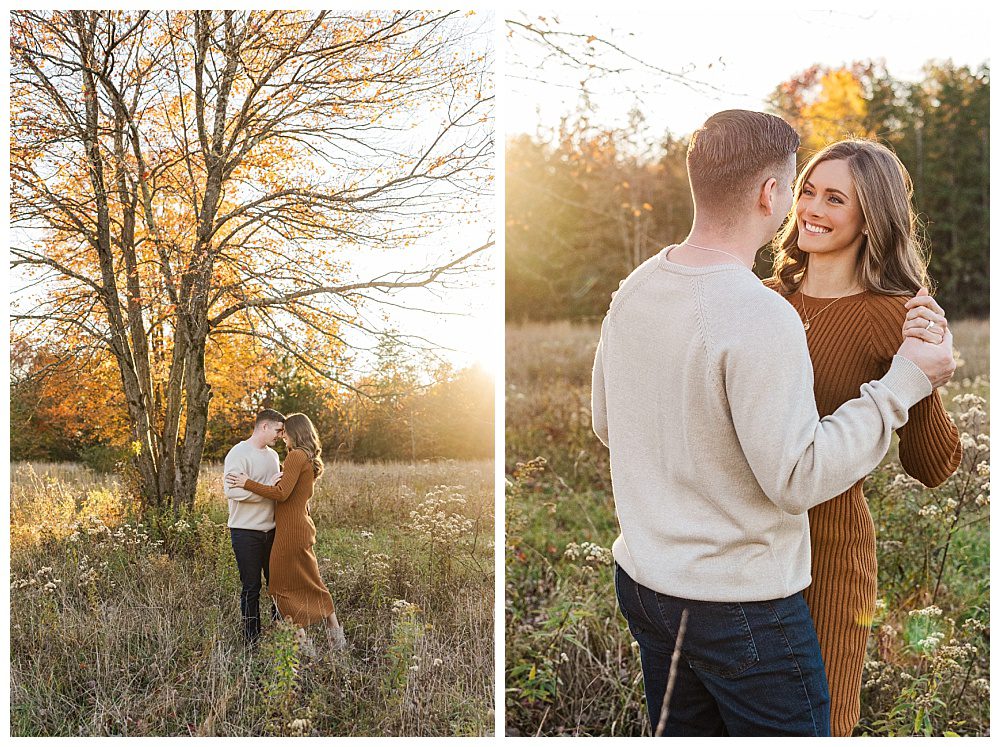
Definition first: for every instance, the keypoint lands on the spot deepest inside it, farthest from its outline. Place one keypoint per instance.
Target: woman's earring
(865, 232)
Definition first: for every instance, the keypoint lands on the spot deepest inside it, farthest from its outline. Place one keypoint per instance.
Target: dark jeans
(252, 549)
(746, 668)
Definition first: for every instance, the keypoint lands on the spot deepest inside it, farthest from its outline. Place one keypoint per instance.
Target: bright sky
(458, 318)
(752, 48)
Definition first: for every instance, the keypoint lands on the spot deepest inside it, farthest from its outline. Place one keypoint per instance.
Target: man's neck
(830, 277)
(707, 246)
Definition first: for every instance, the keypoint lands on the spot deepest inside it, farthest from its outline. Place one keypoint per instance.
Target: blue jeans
(745, 669)
(252, 549)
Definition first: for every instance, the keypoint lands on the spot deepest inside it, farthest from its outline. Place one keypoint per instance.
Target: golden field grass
(130, 627)
(571, 668)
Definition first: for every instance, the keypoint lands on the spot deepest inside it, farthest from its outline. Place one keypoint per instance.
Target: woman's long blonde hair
(302, 435)
(893, 259)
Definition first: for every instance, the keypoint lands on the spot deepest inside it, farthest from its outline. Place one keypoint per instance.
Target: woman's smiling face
(827, 211)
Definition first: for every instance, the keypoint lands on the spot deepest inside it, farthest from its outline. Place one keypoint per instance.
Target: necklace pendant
(805, 325)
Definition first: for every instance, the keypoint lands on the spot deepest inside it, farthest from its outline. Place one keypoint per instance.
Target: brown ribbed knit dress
(852, 342)
(295, 584)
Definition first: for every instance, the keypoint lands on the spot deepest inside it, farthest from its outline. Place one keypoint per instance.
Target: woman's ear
(766, 197)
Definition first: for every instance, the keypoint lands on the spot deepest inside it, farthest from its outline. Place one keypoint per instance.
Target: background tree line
(403, 411)
(585, 205)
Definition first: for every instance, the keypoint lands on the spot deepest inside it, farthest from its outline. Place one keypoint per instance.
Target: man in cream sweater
(703, 392)
(251, 517)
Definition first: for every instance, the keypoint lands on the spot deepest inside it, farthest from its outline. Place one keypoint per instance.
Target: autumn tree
(825, 104)
(56, 411)
(183, 177)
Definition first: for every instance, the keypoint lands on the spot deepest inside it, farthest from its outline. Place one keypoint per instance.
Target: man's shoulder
(238, 449)
(634, 278)
(747, 288)
(751, 310)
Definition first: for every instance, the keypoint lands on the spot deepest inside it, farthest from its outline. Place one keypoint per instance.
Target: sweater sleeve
(598, 399)
(930, 449)
(235, 463)
(798, 459)
(291, 472)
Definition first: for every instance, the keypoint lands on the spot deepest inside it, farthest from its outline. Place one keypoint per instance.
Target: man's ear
(766, 197)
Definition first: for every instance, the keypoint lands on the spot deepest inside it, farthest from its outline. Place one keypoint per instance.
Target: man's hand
(237, 480)
(936, 361)
(276, 479)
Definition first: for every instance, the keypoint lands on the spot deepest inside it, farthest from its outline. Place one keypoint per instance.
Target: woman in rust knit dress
(849, 261)
(298, 591)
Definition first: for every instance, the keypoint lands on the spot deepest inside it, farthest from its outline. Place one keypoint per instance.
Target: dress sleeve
(292, 471)
(930, 449)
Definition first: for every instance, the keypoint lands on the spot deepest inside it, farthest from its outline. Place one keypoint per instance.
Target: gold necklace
(807, 322)
(720, 251)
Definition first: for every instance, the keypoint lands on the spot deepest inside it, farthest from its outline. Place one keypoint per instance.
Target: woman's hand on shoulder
(925, 319)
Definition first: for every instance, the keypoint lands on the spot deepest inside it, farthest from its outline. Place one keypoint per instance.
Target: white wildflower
(590, 552)
(402, 607)
(973, 625)
(931, 641)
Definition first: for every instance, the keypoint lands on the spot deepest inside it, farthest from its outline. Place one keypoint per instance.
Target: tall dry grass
(571, 666)
(123, 626)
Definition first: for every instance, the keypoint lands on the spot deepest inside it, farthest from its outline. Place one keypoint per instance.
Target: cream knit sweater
(703, 392)
(247, 510)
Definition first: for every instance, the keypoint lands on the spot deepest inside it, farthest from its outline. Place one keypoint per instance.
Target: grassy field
(127, 627)
(571, 667)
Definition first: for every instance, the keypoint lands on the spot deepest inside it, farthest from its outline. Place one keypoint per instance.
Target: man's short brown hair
(731, 152)
(268, 415)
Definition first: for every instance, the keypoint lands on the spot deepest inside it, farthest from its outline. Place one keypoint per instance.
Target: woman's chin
(811, 244)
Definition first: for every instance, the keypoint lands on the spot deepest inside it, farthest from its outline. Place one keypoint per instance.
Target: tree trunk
(198, 394)
(120, 338)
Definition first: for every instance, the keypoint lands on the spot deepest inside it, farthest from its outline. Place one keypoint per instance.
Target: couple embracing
(742, 418)
(271, 530)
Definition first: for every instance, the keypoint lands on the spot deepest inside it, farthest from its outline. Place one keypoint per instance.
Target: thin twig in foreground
(665, 708)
